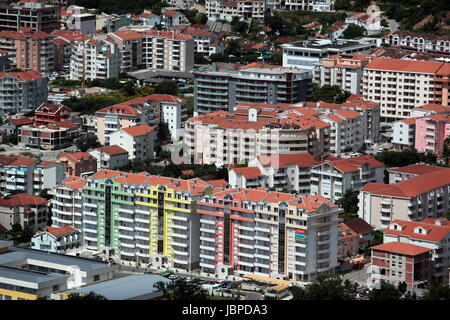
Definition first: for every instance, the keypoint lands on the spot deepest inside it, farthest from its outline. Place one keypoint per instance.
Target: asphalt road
(358, 276)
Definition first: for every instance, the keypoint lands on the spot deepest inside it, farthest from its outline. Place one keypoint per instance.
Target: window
(97, 277)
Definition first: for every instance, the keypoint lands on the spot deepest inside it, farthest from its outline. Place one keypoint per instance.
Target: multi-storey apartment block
(226, 10)
(332, 178)
(267, 233)
(141, 217)
(57, 240)
(369, 110)
(307, 53)
(110, 157)
(145, 110)
(346, 131)
(21, 92)
(67, 204)
(154, 50)
(16, 174)
(29, 14)
(420, 197)
(404, 134)
(343, 70)
(420, 41)
(401, 85)
(203, 39)
(429, 233)
(53, 136)
(48, 113)
(397, 262)
(138, 141)
(25, 209)
(291, 172)
(78, 163)
(220, 137)
(223, 85)
(94, 59)
(30, 50)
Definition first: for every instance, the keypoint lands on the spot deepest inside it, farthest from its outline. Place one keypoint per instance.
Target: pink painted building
(431, 132)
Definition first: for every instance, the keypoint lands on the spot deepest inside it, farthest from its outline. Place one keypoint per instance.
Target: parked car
(24, 148)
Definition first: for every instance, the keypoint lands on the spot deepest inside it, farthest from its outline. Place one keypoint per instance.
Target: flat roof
(29, 276)
(125, 288)
(327, 43)
(19, 253)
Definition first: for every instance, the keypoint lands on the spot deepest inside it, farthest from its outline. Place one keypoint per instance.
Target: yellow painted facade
(16, 295)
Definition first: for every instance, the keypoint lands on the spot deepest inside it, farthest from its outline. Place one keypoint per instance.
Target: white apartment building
(372, 24)
(304, 5)
(414, 199)
(223, 138)
(154, 49)
(21, 92)
(94, 59)
(401, 85)
(57, 240)
(289, 172)
(369, 110)
(110, 157)
(245, 10)
(168, 51)
(67, 205)
(342, 70)
(332, 178)
(421, 41)
(138, 141)
(429, 233)
(173, 111)
(346, 131)
(306, 54)
(404, 134)
(47, 175)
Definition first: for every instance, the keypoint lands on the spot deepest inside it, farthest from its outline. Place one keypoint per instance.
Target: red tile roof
(409, 121)
(46, 163)
(23, 75)
(20, 121)
(434, 107)
(137, 131)
(51, 108)
(401, 248)
(21, 200)
(217, 183)
(435, 233)
(248, 173)
(113, 150)
(411, 187)
(76, 156)
(23, 162)
(405, 65)
(352, 164)
(75, 182)
(282, 160)
(418, 169)
(59, 232)
(121, 108)
(128, 35)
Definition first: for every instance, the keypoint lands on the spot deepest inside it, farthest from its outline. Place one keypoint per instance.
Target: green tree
(233, 48)
(386, 291)
(239, 26)
(44, 194)
(88, 142)
(323, 288)
(330, 94)
(437, 292)
(353, 31)
(167, 87)
(447, 215)
(164, 132)
(90, 296)
(182, 290)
